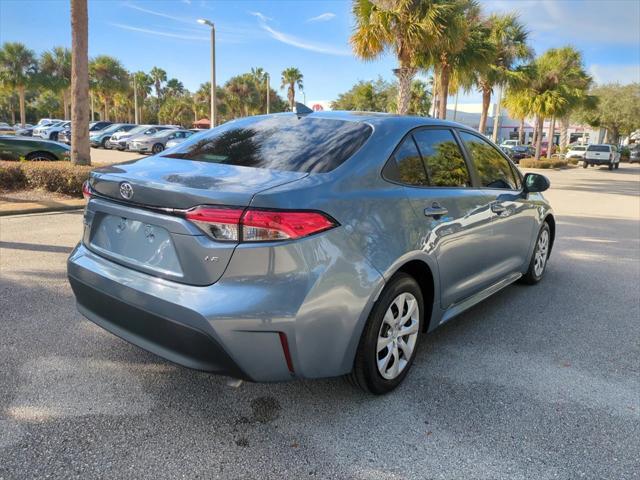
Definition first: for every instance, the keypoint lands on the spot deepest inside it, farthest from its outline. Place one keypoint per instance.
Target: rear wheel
(157, 148)
(585, 164)
(388, 344)
(617, 166)
(538, 263)
(103, 143)
(611, 166)
(41, 157)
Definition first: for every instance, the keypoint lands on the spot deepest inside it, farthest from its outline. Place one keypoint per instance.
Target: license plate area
(138, 244)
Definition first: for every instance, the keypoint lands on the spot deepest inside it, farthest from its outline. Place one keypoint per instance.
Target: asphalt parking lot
(535, 383)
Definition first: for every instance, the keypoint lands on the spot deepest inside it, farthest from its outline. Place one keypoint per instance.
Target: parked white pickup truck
(602, 154)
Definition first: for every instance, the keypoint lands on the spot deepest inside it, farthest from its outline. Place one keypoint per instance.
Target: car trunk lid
(148, 230)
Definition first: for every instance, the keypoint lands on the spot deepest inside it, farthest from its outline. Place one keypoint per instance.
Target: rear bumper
(234, 326)
(598, 161)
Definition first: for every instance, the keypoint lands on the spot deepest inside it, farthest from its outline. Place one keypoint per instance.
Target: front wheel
(585, 164)
(611, 166)
(388, 344)
(157, 148)
(617, 166)
(538, 263)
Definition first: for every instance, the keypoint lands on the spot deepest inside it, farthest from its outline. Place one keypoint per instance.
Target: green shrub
(11, 176)
(573, 161)
(60, 177)
(542, 163)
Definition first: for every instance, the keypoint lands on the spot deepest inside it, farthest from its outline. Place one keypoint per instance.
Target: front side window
(292, 143)
(493, 169)
(443, 159)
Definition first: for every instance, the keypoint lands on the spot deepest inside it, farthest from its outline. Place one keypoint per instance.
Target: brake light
(219, 222)
(256, 225)
(86, 190)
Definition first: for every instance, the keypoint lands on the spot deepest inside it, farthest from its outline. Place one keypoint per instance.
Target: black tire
(365, 373)
(531, 277)
(585, 164)
(41, 157)
(157, 148)
(611, 166)
(53, 136)
(617, 165)
(103, 143)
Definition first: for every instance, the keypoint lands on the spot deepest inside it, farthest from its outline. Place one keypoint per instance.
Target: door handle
(498, 208)
(435, 210)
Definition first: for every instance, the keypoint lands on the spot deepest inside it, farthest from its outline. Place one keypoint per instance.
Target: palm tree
(109, 77)
(80, 151)
(259, 74)
(158, 75)
(17, 69)
(548, 86)
(403, 27)
(291, 77)
(454, 48)
(458, 64)
(517, 106)
(55, 67)
(509, 39)
(143, 87)
(174, 88)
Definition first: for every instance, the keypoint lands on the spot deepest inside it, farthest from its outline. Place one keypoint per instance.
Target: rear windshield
(598, 148)
(286, 142)
(578, 148)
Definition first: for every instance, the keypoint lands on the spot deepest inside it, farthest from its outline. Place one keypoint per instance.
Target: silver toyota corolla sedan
(305, 246)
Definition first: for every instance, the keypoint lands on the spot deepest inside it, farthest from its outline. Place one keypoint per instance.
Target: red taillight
(265, 225)
(86, 190)
(255, 225)
(219, 223)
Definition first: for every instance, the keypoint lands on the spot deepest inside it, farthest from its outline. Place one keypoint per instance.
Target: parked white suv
(602, 154)
(50, 132)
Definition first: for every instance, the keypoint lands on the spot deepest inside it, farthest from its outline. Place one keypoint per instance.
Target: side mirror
(534, 182)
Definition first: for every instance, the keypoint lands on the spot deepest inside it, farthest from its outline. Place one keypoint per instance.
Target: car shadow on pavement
(35, 247)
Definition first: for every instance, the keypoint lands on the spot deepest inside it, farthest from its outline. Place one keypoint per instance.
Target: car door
(513, 216)
(453, 217)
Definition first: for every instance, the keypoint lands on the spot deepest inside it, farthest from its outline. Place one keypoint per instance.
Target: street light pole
(135, 100)
(204, 21)
(268, 92)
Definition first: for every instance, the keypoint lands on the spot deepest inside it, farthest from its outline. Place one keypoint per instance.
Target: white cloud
(622, 74)
(261, 16)
(159, 33)
(159, 14)
(297, 42)
(325, 17)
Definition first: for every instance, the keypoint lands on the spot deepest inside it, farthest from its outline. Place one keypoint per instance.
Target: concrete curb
(40, 209)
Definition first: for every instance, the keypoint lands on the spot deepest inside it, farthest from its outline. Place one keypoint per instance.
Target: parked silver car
(305, 246)
(157, 142)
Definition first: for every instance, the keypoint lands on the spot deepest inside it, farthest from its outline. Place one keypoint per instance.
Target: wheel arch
(551, 221)
(422, 273)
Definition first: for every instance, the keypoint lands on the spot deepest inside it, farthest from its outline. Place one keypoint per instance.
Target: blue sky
(311, 35)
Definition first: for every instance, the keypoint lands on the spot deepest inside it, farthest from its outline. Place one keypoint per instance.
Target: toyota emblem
(126, 190)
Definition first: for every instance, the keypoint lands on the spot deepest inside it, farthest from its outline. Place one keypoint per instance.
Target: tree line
(40, 86)
(465, 49)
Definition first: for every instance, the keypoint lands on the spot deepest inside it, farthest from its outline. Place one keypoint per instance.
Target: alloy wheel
(398, 335)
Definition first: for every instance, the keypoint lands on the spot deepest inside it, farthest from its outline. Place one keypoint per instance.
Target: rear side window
(287, 142)
(405, 165)
(598, 148)
(443, 159)
(493, 169)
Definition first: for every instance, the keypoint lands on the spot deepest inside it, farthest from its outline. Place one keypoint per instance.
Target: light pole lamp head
(204, 21)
